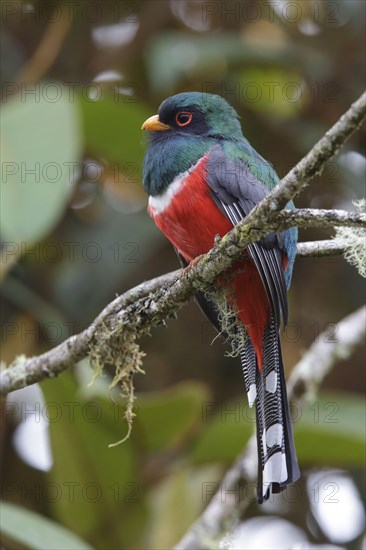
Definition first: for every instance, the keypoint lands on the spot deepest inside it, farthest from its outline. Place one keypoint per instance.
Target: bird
(203, 177)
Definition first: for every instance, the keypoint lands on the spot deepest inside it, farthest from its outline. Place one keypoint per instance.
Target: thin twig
(48, 48)
(311, 217)
(327, 247)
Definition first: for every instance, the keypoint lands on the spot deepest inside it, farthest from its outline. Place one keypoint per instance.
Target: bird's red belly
(191, 221)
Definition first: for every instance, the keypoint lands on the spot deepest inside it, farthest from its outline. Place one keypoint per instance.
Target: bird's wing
(236, 190)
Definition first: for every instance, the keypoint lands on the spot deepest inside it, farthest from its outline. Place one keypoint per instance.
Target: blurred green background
(78, 80)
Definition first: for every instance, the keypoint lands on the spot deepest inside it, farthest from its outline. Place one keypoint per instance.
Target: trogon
(202, 177)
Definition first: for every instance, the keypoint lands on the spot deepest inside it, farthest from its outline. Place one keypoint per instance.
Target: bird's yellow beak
(153, 124)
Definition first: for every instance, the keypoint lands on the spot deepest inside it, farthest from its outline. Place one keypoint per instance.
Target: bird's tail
(277, 462)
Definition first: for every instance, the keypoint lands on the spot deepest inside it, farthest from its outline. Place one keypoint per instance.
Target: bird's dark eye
(183, 118)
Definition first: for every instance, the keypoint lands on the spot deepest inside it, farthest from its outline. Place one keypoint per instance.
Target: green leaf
(273, 91)
(186, 490)
(97, 485)
(166, 418)
(40, 150)
(226, 429)
(205, 56)
(124, 244)
(112, 128)
(331, 431)
(35, 531)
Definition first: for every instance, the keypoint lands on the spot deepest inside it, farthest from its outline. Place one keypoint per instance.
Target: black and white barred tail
(277, 462)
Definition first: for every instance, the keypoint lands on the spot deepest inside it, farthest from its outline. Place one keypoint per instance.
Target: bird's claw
(187, 269)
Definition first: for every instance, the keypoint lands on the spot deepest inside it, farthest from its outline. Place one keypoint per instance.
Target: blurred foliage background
(78, 80)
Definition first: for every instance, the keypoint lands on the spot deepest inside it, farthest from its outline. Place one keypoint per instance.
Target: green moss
(354, 239)
(233, 331)
(118, 348)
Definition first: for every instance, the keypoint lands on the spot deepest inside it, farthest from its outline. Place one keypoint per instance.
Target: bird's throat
(169, 158)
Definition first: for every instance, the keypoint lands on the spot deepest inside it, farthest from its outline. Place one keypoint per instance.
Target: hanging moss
(118, 348)
(233, 331)
(354, 240)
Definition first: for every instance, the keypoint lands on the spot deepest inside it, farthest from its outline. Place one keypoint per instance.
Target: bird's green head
(195, 113)
(186, 127)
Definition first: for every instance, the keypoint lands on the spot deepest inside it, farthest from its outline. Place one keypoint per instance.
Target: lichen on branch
(354, 242)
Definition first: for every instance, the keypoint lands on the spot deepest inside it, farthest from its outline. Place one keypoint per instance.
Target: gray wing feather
(235, 191)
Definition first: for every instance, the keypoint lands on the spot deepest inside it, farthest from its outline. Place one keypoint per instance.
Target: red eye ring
(185, 122)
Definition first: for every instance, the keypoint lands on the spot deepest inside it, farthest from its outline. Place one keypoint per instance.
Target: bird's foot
(187, 269)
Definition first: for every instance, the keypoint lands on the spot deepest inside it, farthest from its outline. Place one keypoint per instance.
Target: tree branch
(26, 371)
(75, 348)
(135, 312)
(220, 515)
(311, 217)
(328, 247)
(325, 353)
(48, 48)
